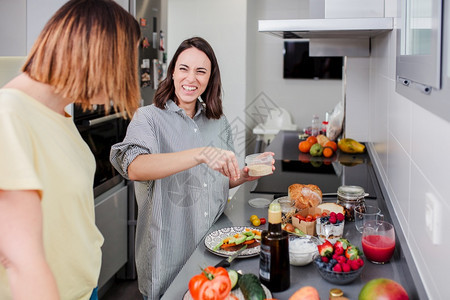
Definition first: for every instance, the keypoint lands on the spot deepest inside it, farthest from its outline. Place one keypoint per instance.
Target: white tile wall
(412, 154)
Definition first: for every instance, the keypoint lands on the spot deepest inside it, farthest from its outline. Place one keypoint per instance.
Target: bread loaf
(331, 207)
(305, 195)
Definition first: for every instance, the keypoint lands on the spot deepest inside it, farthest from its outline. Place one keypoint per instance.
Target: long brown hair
(212, 96)
(89, 47)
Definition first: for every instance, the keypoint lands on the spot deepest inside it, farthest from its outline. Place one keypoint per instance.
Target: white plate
(259, 202)
(217, 236)
(236, 292)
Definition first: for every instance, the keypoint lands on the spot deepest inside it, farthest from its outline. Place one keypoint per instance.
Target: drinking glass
(378, 241)
(365, 213)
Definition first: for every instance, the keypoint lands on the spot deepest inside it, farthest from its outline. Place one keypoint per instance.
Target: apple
(382, 288)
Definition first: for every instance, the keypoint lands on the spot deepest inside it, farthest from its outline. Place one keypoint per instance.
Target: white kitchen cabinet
(13, 27)
(21, 21)
(111, 215)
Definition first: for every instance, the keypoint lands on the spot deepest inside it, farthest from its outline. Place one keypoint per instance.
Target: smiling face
(191, 76)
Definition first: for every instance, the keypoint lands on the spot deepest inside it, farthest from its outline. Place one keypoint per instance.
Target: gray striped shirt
(174, 213)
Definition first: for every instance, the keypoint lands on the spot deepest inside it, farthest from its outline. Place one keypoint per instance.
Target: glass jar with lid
(350, 196)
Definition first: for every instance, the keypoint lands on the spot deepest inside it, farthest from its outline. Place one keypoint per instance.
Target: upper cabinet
(21, 21)
(13, 15)
(335, 27)
(419, 45)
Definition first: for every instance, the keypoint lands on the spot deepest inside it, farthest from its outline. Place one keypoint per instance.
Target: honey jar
(350, 196)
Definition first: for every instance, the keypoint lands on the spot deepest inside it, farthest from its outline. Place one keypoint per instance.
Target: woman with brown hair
(179, 151)
(50, 247)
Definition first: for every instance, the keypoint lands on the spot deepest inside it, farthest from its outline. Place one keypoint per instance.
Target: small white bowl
(302, 249)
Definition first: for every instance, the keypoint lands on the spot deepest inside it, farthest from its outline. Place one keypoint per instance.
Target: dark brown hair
(89, 48)
(212, 96)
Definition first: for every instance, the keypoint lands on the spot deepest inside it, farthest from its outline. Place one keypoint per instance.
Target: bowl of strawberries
(340, 263)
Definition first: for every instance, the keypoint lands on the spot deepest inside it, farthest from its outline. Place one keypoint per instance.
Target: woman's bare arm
(157, 166)
(21, 246)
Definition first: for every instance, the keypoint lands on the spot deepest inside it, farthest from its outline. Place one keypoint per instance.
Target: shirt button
(205, 185)
(195, 129)
(206, 214)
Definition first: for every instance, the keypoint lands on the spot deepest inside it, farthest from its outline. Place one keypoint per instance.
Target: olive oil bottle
(274, 269)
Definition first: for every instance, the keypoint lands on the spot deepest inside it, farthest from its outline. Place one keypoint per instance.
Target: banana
(350, 146)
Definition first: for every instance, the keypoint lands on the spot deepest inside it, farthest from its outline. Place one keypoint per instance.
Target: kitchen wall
(301, 97)
(222, 24)
(10, 68)
(410, 147)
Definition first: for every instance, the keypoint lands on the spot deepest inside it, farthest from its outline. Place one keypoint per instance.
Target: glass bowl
(336, 277)
(302, 249)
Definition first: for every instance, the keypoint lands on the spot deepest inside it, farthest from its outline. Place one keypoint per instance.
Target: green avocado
(240, 239)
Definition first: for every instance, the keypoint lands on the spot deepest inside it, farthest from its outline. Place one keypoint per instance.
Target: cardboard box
(306, 227)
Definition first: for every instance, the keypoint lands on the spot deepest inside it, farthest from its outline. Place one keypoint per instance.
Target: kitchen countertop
(238, 212)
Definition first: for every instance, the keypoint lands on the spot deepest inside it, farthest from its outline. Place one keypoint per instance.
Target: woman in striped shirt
(179, 151)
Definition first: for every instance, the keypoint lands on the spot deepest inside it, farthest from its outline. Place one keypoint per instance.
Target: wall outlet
(433, 218)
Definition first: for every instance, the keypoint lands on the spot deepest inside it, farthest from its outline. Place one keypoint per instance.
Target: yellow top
(43, 150)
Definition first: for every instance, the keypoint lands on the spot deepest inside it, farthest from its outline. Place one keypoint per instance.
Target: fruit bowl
(329, 275)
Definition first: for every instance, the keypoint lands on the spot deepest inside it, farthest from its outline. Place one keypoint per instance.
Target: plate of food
(226, 241)
(235, 294)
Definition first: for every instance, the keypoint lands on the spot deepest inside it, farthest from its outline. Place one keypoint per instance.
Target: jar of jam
(350, 196)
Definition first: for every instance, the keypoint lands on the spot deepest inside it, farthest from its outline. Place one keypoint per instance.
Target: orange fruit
(304, 146)
(332, 145)
(327, 152)
(312, 139)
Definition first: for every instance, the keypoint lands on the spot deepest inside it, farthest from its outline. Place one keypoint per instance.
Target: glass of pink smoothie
(378, 241)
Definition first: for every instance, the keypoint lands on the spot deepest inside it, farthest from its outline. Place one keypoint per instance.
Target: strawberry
(352, 252)
(341, 243)
(339, 251)
(326, 249)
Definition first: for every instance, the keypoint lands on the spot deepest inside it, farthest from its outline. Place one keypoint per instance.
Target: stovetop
(292, 166)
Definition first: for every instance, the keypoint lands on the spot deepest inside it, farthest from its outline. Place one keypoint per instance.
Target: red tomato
(263, 221)
(300, 217)
(212, 284)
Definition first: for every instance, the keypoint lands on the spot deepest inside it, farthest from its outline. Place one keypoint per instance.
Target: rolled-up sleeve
(140, 139)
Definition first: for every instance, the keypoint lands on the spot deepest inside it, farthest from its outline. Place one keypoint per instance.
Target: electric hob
(292, 166)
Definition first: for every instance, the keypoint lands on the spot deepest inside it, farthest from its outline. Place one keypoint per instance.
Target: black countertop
(238, 211)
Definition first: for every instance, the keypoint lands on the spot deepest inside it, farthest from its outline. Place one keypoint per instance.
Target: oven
(100, 132)
(115, 211)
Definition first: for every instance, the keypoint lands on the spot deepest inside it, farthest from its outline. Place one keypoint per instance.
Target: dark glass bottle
(274, 268)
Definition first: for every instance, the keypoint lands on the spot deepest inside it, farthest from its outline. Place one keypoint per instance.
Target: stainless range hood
(335, 27)
(326, 28)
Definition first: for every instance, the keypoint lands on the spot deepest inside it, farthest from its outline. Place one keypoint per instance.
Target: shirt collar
(172, 106)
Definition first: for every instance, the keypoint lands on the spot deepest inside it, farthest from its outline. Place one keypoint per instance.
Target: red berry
(341, 259)
(335, 256)
(337, 268)
(340, 217)
(346, 267)
(333, 220)
(354, 264)
(339, 251)
(263, 221)
(332, 214)
(325, 259)
(360, 262)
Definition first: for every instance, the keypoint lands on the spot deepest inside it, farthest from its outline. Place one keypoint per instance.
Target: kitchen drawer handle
(105, 119)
